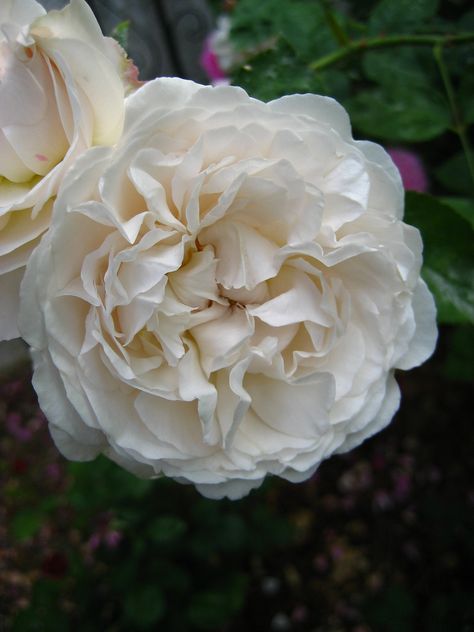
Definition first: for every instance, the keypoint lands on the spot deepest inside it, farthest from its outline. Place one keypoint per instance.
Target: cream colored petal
(195, 283)
(300, 410)
(97, 78)
(245, 257)
(72, 436)
(322, 110)
(13, 169)
(22, 95)
(23, 229)
(21, 12)
(173, 423)
(220, 341)
(39, 141)
(299, 301)
(424, 339)
(193, 385)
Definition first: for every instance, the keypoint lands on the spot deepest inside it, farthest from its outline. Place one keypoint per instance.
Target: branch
(388, 41)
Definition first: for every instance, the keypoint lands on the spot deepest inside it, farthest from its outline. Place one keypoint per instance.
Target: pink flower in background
(210, 63)
(104, 535)
(411, 169)
(16, 428)
(218, 55)
(112, 539)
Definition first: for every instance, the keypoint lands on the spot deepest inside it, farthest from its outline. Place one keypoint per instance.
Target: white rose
(61, 91)
(226, 293)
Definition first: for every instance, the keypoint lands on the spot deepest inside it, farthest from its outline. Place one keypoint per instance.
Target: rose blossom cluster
(226, 291)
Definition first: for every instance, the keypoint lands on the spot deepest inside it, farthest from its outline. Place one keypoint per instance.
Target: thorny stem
(458, 123)
(360, 45)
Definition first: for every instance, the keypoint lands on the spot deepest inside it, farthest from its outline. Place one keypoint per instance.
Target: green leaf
(120, 33)
(299, 22)
(232, 533)
(401, 16)
(466, 22)
(27, 523)
(407, 66)
(466, 98)
(393, 610)
(213, 608)
(399, 113)
(279, 71)
(144, 606)
(448, 255)
(254, 22)
(44, 610)
(167, 529)
(103, 483)
(302, 24)
(463, 206)
(458, 364)
(454, 174)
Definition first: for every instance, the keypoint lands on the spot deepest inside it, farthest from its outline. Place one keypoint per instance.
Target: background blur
(380, 539)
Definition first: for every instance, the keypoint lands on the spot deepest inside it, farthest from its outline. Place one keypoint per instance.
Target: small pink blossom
(94, 541)
(16, 428)
(411, 169)
(402, 486)
(112, 539)
(210, 63)
(53, 472)
(218, 55)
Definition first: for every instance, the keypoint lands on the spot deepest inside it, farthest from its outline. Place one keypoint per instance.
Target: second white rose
(61, 91)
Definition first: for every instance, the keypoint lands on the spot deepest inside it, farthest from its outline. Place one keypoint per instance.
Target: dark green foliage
(453, 174)
(398, 602)
(398, 114)
(403, 16)
(26, 523)
(381, 538)
(448, 256)
(459, 364)
(143, 606)
(183, 561)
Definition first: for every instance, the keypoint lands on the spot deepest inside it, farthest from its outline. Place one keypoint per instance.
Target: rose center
(243, 296)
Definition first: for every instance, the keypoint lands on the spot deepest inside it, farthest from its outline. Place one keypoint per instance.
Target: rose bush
(227, 292)
(61, 91)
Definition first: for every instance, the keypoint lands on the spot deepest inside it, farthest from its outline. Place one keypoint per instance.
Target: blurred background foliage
(379, 539)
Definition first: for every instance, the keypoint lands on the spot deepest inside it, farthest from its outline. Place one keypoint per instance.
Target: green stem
(388, 41)
(458, 123)
(339, 34)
